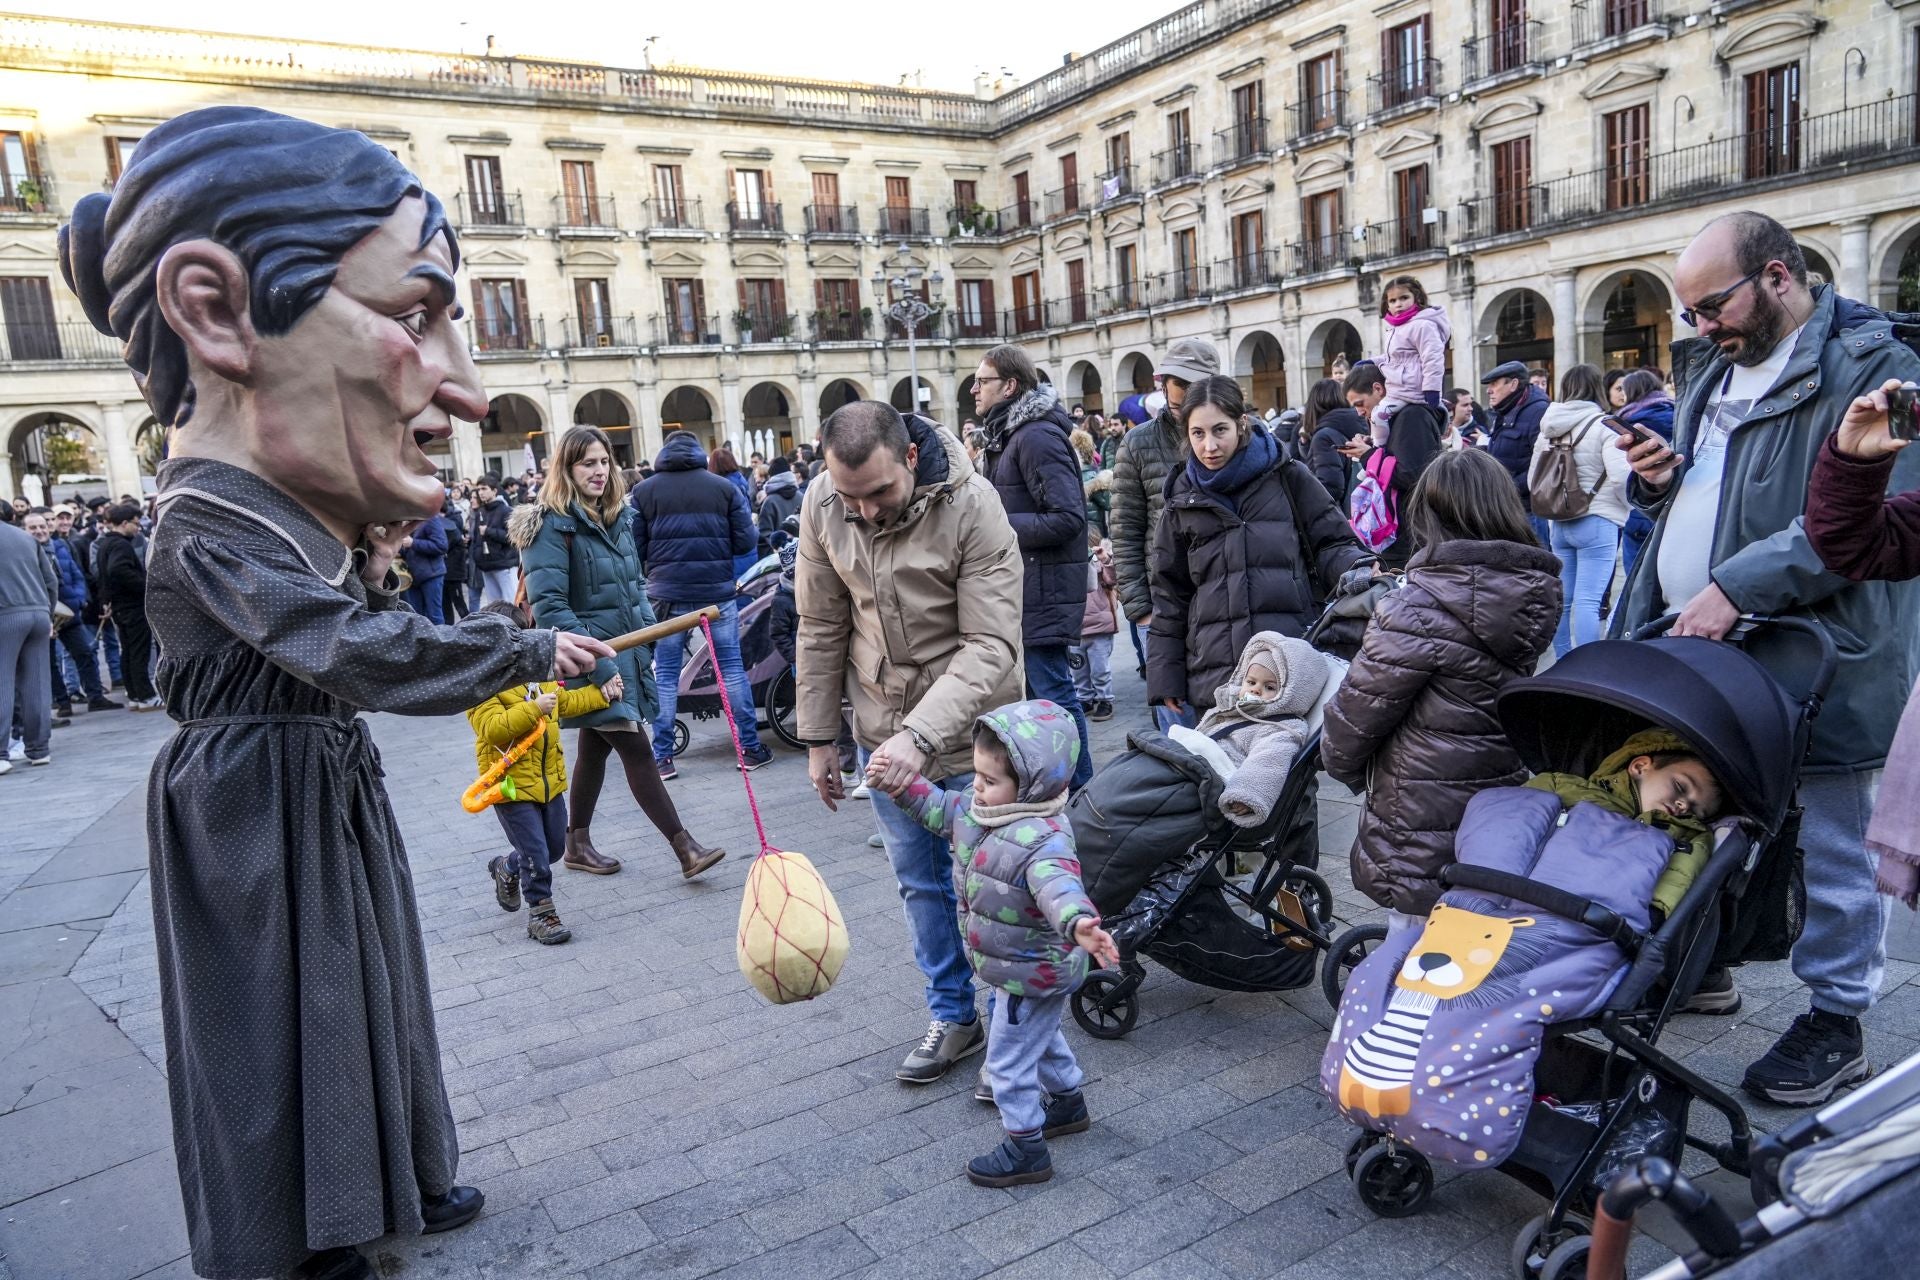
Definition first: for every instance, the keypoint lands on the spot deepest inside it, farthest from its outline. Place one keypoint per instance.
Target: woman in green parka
(577, 557)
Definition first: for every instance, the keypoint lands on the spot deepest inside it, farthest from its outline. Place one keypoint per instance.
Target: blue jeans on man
(425, 597)
(671, 653)
(922, 863)
(75, 665)
(1050, 676)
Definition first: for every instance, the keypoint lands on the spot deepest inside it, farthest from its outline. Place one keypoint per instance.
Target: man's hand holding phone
(1649, 456)
(1880, 422)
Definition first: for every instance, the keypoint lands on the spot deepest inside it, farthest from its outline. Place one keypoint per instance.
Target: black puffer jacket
(1331, 467)
(491, 547)
(1220, 575)
(1148, 454)
(1032, 465)
(1414, 721)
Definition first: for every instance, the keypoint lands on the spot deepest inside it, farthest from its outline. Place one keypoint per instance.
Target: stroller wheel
(1105, 1006)
(682, 736)
(1313, 893)
(1362, 1142)
(780, 709)
(1392, 1181)
(1568, 1261)
(1536, 1254)
(1348, 950)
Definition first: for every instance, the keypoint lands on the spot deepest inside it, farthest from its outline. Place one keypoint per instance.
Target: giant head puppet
(286, 295)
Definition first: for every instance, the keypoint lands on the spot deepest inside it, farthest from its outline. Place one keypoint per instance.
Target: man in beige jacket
(908, 588)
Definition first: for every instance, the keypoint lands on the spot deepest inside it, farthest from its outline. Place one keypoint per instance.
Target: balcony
(671, 215)
(923, 331)
(832, 220)
(591, 215)
(902, 222)
(1183, 284)
(30, 200)
(504, 334)
(1252, 269)
(1065, 202)
(1242, 142)
(1117, 184)
(587, 334)
(1179, 163)
(1027, 319)
(756, 326)
(1402, 238)
(1872, 135)
(1019, 216)
(1601, 26)
(1318, 255)
(484, 210)
(974, 220)
(58, 342)
(1507, 54)
(1321, 118)
(686, 331)
(754, 219)
(840, 326)
(1117, 299)
(1075, 308)
(1407, 86)
(978, 324)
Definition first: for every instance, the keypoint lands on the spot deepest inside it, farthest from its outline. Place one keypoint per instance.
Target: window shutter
(780, 297)
(741, 287)
(986, 299)
(700, 305)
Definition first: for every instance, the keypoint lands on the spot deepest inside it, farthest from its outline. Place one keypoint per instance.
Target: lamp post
(899, 297)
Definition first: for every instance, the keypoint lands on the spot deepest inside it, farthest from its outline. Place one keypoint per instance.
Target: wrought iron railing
(839, 326)
(754, 219)
(1509, 48)
(1075, 308)
(575, 213)
(686, 331)
(665, 214)
(1176, 163)
(1597, 20)
(488, 209)
(1249, 269)
(1116, 184)
(1063, 201)
(1242, 140)
(898, 221)
(67, 341)
(1400, 237)
(1403, 84)
(1183, 284)
(1313, 255)
(582, 333)
(1319, 114)
(832, 220)
(754, 325)
(507, 333)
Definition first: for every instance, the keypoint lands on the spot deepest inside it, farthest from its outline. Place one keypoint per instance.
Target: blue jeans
(110, 637)
(424, 599)
(1842, 952)
(74, 660)
(1588, 548)
(670, 653)
(1050, 676)
(538, 833)
(922, 863)
(1164, 719)
(1540, 529)
(1028, 1058)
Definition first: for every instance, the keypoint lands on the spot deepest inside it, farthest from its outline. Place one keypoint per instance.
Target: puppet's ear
(1521, 922)
(202, 290)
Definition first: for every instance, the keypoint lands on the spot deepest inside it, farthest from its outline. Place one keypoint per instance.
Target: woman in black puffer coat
(1247, 543)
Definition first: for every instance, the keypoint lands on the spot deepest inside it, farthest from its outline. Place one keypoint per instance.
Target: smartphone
(1635, 432)
(1901, 412)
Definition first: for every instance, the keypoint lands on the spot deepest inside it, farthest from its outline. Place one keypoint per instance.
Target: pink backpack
(1372, 510)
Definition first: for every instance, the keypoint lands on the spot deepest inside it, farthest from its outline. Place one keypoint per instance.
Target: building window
(486, 198)
(1186, 262)
(898, 214)
(1773, 121)
(752, 208)
(1322, 231)
(593, 307)
(826, 215)
(1627, 141)
(1411, 232)
(669, 197)
(1405, 65)
(19, 174)
(1070, 182)
(1179, 143)
(686, 311)
(1249, 135)
(1250, 249)
(976, 308)
(763, 309)
(837, 310)
(1077, 290)
(1507, 41)
(119, 156)
(500, 316)
(966, 194)
(578, 191)
(1126, 278)
(1513, 185)
(1119, 162)
(1622, 16)
(1022, 201)
(1320, 105)
(26, 304)
(1026, 303)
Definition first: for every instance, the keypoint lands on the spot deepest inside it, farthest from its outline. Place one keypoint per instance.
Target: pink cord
(740, 755)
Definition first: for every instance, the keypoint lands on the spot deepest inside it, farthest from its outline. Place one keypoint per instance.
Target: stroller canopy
(1747, 728)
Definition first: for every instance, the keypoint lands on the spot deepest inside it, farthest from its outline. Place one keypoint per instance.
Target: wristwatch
(927, 749)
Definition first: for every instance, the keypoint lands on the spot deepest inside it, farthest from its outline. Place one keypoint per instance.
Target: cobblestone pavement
(631, 1109)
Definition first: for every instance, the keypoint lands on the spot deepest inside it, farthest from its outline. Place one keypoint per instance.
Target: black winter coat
(688, 525)
(1032, 465)
(1220, 577)
(1331, 467)
(1510, 440)
(122, 577)
(456, 547)
(491, 547)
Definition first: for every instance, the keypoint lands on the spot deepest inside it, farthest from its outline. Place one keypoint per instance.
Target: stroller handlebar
(1752, 623)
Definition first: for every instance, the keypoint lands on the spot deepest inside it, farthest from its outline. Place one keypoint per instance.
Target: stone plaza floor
(631, 1108)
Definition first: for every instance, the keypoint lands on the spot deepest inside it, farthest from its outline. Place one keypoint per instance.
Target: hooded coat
(1263, 739)
(1237, 557)
(1148, 455)
(585, 577)
(780, 499)
(509, 716)
(689, 525)
(1032, 464)
(1016, 870)
(1413, 723)
(1414, 357)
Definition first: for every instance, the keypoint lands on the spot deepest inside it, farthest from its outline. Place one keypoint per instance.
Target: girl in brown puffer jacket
(1414, 721)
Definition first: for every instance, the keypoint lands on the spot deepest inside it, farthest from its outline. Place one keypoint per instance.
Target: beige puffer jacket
(917, 625)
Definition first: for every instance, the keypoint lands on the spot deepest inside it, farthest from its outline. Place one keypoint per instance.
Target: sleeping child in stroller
(1439, 1029)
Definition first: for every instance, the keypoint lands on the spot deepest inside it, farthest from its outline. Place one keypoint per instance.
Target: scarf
(994, 816)
(1658, 397)
(1894, 830)
(1402, 318)
(1257, 457)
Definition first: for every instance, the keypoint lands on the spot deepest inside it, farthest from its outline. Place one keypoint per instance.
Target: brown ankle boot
(582, 856)
(694, 856)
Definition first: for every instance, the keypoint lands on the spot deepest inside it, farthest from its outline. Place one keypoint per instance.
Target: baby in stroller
(1258, 723)
(1439, 1029)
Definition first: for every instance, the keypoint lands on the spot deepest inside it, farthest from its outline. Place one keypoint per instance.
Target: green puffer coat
(1148, 453)
(586, 578)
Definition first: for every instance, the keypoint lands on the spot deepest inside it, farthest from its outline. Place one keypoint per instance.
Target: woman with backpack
(1578, 482)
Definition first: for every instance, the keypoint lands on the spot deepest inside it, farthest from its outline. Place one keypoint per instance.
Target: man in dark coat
(123, 590)
(1518, 406)
(688, 526)
(781, 498)
(492, 554)
(1031, 462)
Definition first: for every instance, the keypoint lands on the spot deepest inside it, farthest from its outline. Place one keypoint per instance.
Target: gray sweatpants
(1842, 952)
(24, 675)
(1028, 1058)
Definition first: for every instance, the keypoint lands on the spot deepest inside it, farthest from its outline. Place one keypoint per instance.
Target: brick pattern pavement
(632, 1109)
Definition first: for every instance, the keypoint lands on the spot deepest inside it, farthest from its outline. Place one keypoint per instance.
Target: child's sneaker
(1021, 1159)
(1066, 1113)
(506, 885)
(543, 924)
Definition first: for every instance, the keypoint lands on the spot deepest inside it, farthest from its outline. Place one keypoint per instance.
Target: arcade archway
(56, 457)
(1629, 322)
(609, 411)
(513, 425)
(1520, 325)
(770, 422)
(688, 409)
(1261, 367)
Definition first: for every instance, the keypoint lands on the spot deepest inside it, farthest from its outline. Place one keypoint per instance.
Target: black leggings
(643, 778)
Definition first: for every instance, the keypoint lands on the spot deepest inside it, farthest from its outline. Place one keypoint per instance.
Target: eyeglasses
(981, 382)
(1709, 307)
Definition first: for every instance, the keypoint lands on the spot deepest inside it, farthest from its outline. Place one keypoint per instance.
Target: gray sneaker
(944, 1044)
(983, 1089)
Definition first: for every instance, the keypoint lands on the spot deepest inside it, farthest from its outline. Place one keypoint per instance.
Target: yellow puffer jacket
(509, 716)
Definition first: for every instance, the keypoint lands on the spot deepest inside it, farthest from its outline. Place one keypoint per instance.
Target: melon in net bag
(792, 940)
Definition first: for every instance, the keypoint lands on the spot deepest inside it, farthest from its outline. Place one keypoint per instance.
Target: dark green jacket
(1147, 454)
(1761, 557)
(585, 578)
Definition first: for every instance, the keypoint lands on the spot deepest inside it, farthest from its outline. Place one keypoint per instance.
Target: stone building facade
(648, 248)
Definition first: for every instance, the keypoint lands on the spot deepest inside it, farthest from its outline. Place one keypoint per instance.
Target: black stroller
(1606, 1095)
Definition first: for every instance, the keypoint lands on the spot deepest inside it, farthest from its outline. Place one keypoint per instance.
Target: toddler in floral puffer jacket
(1030, 927)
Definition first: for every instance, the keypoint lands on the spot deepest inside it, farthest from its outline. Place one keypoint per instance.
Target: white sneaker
(150, 704)
(6, 766)
(46, 759)
(860, 792)
(16, 749)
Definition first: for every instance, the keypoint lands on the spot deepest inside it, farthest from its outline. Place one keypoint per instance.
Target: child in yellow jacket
(533, 808)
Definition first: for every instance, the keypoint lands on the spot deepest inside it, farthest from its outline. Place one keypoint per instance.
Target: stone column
(733, 424)
(1856, 273)
(1566, 324)
(809, 410)
(1466, 344)
(123, 465)
(559, 418)
(468, 456)
(649, 411)
(7, 489)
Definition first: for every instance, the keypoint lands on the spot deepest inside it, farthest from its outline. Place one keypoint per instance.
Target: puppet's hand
(383, 543)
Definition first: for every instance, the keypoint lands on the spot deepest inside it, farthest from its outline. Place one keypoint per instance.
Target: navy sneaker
(756, 758)
(1066, 1113)
(1819, 1054)
(665, 766)
(1021, 1159)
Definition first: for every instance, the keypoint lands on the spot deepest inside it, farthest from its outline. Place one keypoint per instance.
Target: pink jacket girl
(1413, 355)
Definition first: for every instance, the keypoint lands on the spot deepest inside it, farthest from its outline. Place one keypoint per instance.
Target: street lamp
(900, 301)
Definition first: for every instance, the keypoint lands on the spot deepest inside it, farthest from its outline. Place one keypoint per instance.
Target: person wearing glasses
(1774, 368)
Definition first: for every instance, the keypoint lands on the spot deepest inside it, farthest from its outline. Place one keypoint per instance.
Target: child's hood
(1611, 788)
(1301, 669)
(1042, 743)
(1438, 319)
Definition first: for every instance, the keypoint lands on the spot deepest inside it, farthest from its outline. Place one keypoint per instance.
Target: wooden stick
(661, 630)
